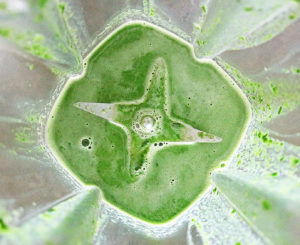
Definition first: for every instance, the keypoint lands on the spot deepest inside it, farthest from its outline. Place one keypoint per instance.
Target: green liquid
(157, 83)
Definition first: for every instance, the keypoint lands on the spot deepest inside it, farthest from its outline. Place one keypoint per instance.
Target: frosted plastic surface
(42, 43)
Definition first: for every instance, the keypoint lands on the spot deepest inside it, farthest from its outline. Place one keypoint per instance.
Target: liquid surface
(147, 123)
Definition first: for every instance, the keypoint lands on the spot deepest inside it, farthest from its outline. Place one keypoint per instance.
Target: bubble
(148, 122)
(85, 142)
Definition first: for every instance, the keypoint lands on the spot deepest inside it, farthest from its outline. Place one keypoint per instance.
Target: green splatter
(233, 211)
(38, 38)
(61, 7)
(267, 37)
(201, 42)
(34, 118)
(4, 32)
(248, 9)
(197, 223)
(24, 135)
(203, 8)
(32, 43)
(50, 242)
(295, 161)
(39, 17)
(51, 210)
(38, 50)
(292, 16)
(197, 26)
(296, 70)
(63, 48)
(274, 88)
(152, 12)
(42, 3)
(274, 174)
(30, 66)
(46, 215)
(238, 243)
(55, 71)
(3, 6)
(264, 137)
(3, 225)
(242, 38)
(145, 3)
(201, 134)
(222, 165)
(279, 110)
(266, 205)
(261, 95)
(215, 190)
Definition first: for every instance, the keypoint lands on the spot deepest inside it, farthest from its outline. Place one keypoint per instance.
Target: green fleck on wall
(3, 6)
(61, 7)
(295, 161)
(274, 174)
(274, 88)
(42, 3)
(266, 205)
(4, 32)
(248, 9)
(24, 135)
(3, 225)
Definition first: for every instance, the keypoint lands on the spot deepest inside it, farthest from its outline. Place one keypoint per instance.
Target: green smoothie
(147, 123)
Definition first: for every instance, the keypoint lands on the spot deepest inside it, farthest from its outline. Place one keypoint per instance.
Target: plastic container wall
(43, 43)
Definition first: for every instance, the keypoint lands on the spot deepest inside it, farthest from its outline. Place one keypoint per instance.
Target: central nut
(147, 123)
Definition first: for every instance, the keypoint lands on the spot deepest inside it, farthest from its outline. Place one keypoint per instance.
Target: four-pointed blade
(158, 81)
